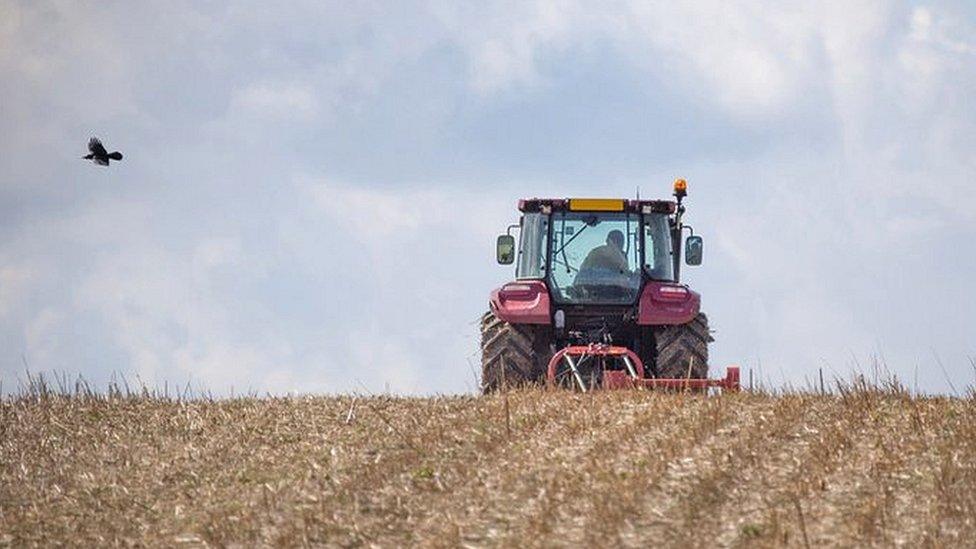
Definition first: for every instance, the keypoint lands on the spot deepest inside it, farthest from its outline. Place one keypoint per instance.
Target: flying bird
(98, 154)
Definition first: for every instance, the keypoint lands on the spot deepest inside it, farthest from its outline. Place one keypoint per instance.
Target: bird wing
(96, 148)
(101, 160)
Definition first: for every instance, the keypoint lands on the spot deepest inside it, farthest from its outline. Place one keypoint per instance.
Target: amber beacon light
(680, 187)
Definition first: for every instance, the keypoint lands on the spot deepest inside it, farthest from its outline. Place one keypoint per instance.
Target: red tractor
(597, 299)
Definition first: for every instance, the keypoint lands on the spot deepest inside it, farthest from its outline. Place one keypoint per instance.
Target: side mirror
(505, 249)
(693, 250)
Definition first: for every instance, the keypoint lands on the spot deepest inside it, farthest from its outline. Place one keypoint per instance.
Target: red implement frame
(633, 373)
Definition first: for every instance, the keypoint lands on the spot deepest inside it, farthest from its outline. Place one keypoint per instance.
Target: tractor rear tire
(512, 355)
(682, 349)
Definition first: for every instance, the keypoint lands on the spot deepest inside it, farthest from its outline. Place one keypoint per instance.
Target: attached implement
(597, 300)
(601, 366)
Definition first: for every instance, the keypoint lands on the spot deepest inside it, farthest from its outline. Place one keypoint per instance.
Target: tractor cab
(594, 251)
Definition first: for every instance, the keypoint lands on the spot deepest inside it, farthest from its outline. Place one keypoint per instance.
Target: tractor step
(578, 364)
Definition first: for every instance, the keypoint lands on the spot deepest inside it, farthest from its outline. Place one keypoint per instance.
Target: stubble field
(864, 466)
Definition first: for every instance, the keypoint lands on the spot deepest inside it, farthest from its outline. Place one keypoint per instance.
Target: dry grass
(860, 468)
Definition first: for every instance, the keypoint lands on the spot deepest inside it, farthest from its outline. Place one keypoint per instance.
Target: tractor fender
(522, 302)
(667, 303)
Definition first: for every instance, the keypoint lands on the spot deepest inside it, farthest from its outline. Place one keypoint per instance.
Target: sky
(310, 193)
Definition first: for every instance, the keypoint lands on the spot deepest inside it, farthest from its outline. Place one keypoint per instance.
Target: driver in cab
(608, 257)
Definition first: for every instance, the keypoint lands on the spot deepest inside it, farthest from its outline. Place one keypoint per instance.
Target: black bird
(98, 154)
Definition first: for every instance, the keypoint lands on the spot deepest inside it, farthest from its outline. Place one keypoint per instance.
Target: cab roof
(596, 205)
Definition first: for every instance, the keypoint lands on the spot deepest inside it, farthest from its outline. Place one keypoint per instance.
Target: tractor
(597, 300)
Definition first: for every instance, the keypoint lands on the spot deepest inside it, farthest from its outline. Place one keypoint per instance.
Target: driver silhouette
(607, 257)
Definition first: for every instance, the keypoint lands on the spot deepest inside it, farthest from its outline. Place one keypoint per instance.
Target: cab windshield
(597, 257)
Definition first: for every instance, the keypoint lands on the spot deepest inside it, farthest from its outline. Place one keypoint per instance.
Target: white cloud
(927, 27)
(277, 101)
(43, 333)
(14, 280)
(747, 58)
(504, 45)
(218, 251)
(389, 213)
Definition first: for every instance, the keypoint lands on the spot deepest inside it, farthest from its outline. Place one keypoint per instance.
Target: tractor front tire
(512, 355)
(682, 349)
